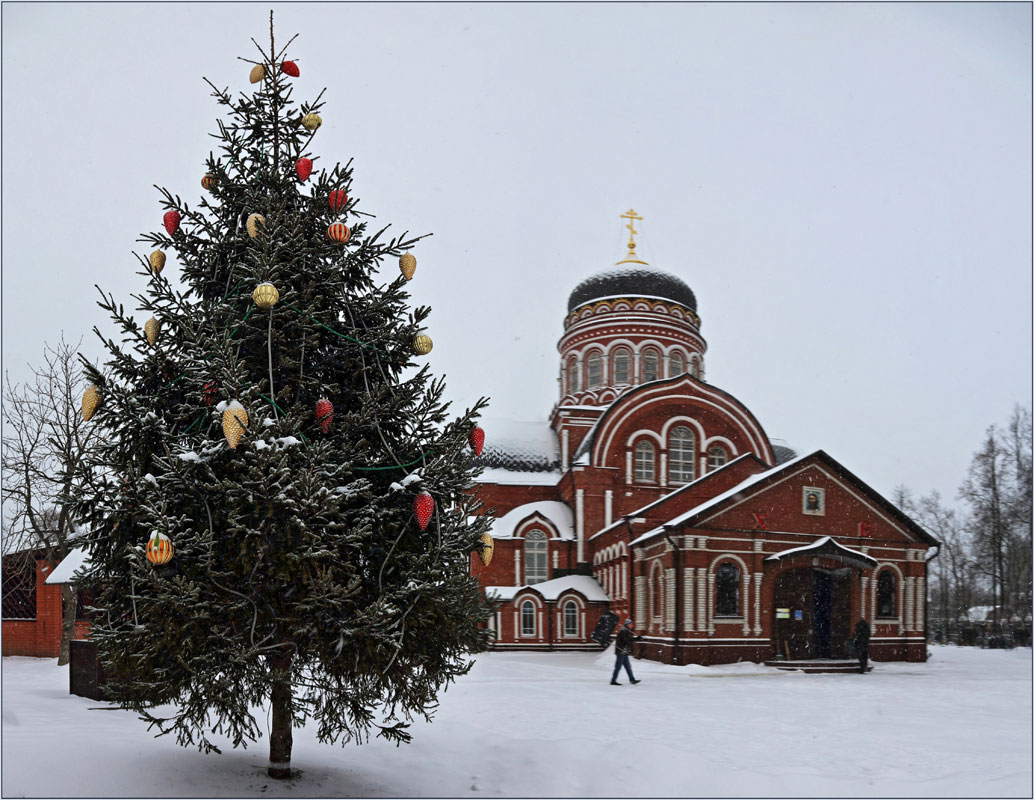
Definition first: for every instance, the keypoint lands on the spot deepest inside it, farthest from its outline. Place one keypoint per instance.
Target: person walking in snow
(622, 650)
(861, 644)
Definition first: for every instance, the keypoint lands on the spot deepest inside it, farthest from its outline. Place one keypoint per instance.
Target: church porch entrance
(812, 613)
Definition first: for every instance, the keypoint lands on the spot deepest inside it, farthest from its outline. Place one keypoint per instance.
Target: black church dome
(635, 281)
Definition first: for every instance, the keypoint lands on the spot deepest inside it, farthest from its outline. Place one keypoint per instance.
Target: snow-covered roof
(519, 446)
(825, 543)
(518, 478)
(558, 513)
(737, 489)
(640, 511)
(76, 561)
(551, 590)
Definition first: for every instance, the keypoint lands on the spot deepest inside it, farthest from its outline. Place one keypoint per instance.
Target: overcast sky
(846, 188)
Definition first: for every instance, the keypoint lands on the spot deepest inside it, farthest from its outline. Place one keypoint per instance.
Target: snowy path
(536, 724)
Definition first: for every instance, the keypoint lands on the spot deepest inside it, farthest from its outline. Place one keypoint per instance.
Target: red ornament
(172, 221)
(303, 166)
(477, 439)
(338, 232)
(209, 392)
(337, 200)
(423, 507)
(324, 414)
(290, 68)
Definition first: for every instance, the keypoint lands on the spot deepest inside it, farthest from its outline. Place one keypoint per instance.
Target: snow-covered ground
(538, 724)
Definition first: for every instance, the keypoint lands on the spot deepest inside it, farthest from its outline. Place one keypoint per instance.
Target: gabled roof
(675, 492)
(826, 546)
(759, 482)
(71, 567)
(630, 396)
(551, 590)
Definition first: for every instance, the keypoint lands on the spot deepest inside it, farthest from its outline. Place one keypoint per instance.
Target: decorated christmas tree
(281, 512)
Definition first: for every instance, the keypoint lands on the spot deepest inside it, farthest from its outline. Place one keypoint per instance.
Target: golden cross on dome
(632, 258)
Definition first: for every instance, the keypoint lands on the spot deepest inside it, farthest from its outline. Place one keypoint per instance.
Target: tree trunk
(68, 609)
(280, 735)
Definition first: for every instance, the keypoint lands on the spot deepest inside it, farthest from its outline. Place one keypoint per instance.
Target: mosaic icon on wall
(813, 501)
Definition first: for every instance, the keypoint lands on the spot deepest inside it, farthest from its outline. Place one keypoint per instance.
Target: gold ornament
(235, 421)
(157, 261)
(258, 72)
(91, 398)
(265, 295)
(253, 223)
(311, 121)
(407, 263)
(422, 344)
(151, 328)
(209, 181)
(485, 553)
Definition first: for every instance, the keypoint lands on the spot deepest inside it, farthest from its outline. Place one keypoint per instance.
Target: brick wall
(40, 637)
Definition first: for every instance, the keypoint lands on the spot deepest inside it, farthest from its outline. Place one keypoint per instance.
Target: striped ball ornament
(338, 233)
(157, 260)
(265, 295)
(159, 549)
(209, 181)
(422, 344)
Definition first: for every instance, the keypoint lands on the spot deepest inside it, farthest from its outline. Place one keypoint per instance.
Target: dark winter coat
(861, 637)
(624, 641)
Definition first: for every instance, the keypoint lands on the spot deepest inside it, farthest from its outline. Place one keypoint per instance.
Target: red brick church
(659, 496)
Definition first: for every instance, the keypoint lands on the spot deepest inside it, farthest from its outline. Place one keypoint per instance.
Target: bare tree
(998, 491)
(45, 439)
(955, 582)
(1017, 441)
(984, 490)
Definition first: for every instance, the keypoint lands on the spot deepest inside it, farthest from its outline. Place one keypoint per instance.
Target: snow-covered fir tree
(279, 452)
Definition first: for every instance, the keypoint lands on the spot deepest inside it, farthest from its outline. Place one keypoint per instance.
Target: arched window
(536, 548)
(572, 374)
(651, 363)
(570, 618)
(657, 595)
(694, 367)
(727, 590)
(676, 363)
(681, 454)
(886, 605)
(594, 369)
(716, 456)
(622, 359)
(527, 618)
(644, 461)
